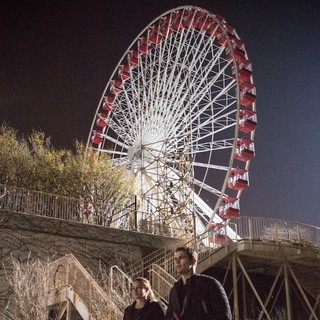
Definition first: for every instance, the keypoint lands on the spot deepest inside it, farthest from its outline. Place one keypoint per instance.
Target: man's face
(183, 263)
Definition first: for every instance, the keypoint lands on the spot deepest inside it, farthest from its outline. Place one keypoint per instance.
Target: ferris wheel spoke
(208, 188)
(114, 152)
(172, 86)
(177, 77)
(210, 166)
(204, 77)
(121, 133)
(200, 111)
(216, 145)
(185, 92)
(127, 114)
(203, 210)
(116, 141)
(201, 135)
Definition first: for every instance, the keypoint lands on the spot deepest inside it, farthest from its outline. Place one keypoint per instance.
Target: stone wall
(52, 238)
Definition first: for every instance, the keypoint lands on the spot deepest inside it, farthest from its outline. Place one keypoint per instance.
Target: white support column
(68, 310)
(287, 288)
(235, 288)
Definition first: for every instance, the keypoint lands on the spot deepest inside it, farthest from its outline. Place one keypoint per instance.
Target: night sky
(56, 58)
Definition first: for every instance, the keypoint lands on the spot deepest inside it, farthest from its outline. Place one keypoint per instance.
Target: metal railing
(276, 230)
(60, 207)
(54, 206)
(161, 282)
(120, 286)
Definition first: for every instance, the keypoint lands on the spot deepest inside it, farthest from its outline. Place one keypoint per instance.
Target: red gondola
(248, 121)
(244, 150)
(229, 208)
(238, 179)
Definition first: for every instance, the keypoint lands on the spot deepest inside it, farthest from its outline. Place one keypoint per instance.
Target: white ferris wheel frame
(179, 111)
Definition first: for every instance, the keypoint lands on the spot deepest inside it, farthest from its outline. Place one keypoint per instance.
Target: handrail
(161, 282)
(244, 228)
(120, 285)
(173, 279)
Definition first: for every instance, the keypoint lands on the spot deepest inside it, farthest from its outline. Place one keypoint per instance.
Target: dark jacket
(152, 310)
(205, 299)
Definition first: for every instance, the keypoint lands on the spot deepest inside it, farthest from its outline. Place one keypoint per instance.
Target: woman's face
(139, 291)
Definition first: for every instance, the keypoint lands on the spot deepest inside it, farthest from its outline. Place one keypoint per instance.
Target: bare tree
(29, 281)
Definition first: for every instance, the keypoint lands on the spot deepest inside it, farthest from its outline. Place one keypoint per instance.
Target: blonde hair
(145, 282)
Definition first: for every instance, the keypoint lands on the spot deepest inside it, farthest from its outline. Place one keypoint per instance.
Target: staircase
(71, 283)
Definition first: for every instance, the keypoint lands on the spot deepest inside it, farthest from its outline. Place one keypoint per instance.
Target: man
(195, 296)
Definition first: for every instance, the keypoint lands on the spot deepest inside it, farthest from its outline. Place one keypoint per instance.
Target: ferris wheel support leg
(252, 287)
(235, 288)
(287, 288)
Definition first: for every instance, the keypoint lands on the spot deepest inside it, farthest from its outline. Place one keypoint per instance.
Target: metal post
(244, 298)
(271, 291)
(235, 288)
(135, 214)
(287, 288)
(68, 310)
(250, 233)
(195, 246)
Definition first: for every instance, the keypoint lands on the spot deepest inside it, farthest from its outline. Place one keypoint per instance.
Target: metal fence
(60, 207)
(54, 206)
(276, 230)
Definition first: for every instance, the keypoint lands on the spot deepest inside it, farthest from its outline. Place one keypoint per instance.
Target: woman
(145, 306)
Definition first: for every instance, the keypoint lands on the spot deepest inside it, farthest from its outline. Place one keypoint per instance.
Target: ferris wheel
(179, 112)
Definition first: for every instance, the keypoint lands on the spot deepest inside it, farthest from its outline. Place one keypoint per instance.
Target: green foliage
(33, 163)
(15, 158)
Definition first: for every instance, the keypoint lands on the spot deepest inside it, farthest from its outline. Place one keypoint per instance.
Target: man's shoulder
(204, 279)
(178, 283)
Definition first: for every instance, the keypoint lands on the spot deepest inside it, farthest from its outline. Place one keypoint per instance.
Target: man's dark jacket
(205, 300)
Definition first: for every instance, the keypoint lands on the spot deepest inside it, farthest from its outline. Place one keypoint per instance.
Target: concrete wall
(52, 238)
